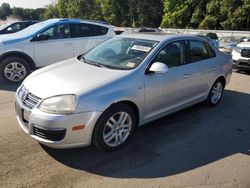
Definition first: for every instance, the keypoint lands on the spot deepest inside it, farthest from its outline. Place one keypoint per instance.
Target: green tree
(116, 12)
(146, 12)
(5, 11)
(177, 13)
(18, 12)
(51, 12)
(85, 9)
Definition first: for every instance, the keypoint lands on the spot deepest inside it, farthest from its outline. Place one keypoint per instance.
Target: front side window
(119, 53)
(57, 32)
(172, 54)
(198, 51)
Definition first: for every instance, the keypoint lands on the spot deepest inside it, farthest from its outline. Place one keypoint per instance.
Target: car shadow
(8, 87)
(184, 141)
(241, 71)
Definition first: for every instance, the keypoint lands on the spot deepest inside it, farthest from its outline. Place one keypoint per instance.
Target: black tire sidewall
(209, 101)
(97, 138)
(8, 60)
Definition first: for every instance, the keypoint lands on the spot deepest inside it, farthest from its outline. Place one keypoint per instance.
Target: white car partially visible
(48, 42)
(241, 56)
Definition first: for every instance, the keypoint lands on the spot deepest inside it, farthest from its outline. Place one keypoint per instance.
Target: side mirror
(41, 37)
(158, 67)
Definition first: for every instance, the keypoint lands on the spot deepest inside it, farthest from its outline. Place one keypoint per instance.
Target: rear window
(88, 30)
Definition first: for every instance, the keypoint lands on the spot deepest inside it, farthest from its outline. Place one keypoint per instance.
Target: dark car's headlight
(63, 104)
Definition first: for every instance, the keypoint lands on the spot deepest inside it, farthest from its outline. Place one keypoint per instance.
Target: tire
(216, 93)
(14, 70)
(116, 132)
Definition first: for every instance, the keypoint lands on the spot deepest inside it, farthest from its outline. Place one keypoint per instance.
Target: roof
(75, 20)
(160, 36)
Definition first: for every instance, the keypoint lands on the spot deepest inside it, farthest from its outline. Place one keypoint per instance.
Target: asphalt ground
(196, 147)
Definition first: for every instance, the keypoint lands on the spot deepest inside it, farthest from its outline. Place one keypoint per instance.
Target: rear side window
(198, 51)
(210, 50)
(88, 30)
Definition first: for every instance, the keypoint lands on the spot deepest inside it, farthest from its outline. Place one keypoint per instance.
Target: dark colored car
(15, 27)
(149, 30)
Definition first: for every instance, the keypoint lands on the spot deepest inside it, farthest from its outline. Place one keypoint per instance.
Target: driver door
(166, 92)
(58, 47)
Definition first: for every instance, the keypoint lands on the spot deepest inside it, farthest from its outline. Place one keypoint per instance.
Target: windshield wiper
(90, 62)
(96, 64)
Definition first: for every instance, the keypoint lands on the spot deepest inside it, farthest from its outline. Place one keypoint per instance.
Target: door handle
(212, 67)
(187, 76)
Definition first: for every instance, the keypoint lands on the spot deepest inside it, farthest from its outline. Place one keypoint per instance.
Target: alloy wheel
(15, 71)
(117, 129)
(216, 92)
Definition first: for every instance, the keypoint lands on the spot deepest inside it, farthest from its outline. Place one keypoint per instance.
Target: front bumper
(56, 130)
(240, 62)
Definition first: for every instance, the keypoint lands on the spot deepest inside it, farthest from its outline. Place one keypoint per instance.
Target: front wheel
(215, 93)
(114, 127)
(14, 69)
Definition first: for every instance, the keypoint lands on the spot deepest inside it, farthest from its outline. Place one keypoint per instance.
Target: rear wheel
(14, 69)
(215, 93)
(114, 127)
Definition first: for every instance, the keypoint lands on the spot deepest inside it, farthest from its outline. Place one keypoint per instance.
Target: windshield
(119, 53)
(4, 26)
(31, 29)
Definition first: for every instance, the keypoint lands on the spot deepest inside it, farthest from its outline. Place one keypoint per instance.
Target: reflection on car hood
(228, 44)
(69, 77)
(12, 38)
(244, 44)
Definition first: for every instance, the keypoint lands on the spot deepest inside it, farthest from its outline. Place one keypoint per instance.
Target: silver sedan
(127, 81)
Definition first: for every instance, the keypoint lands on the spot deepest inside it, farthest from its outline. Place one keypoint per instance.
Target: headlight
(64, 104)
(238, 49)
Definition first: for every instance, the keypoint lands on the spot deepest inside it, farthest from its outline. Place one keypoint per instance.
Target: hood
(244, 45)
(69, 77)
(13, 38)
(228, 44)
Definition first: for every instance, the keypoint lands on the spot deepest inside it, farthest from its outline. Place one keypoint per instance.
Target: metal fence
(220, 33)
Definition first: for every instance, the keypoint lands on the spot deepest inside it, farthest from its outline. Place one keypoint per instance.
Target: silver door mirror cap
(159, 67)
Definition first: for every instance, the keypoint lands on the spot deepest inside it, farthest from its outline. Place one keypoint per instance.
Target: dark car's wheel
(215, 93)
(114, 128)
(14, 69)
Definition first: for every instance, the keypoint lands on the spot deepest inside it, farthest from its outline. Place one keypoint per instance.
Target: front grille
(52, 135)
(31, 101)
(245, 53)
(28, 99)
(244, 64)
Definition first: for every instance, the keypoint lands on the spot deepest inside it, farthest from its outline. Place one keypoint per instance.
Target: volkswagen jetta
(127, 81)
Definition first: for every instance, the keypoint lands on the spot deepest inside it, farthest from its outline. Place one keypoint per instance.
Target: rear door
(201, 68)
(86, 36)
(58, 47)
